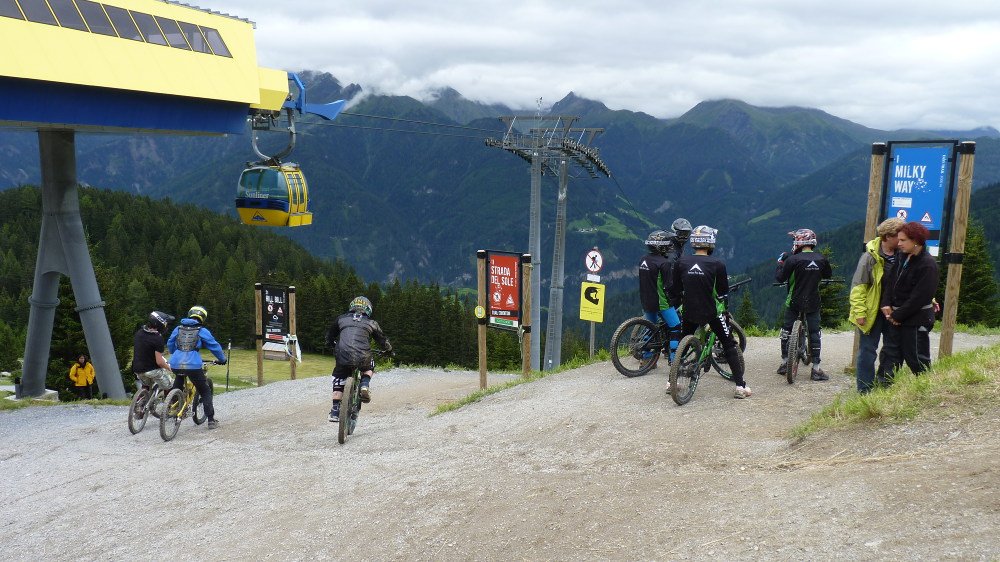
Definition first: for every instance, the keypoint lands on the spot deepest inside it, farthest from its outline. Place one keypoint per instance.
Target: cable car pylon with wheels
(271, 192)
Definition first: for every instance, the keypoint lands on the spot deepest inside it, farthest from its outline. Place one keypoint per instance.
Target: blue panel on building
(34, 104)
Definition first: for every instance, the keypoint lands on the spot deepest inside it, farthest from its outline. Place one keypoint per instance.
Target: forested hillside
(156, 255)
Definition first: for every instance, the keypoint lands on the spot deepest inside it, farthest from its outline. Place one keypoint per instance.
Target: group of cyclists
(349, 336)
(670, 280)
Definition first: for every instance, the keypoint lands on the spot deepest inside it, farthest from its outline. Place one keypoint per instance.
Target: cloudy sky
(888, 65)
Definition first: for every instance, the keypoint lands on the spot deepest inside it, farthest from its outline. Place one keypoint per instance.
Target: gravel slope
(582, 465)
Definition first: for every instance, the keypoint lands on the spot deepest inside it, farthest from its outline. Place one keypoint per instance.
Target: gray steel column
(535, 249)
(62, 249)
(553, 332)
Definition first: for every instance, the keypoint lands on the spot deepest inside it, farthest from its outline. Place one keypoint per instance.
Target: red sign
(504, 286)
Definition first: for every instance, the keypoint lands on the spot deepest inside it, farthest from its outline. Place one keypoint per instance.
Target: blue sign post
(918, 186)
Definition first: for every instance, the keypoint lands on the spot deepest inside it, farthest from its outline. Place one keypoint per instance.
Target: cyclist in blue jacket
(185, 360)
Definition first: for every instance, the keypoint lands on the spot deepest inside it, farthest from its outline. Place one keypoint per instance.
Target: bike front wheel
(198, 405)
(685, 370)
(172, 415)
(137, 410)
(795, 341)
(636, 345)
(346, 409)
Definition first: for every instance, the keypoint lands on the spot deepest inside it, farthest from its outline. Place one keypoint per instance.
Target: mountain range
(403, 188)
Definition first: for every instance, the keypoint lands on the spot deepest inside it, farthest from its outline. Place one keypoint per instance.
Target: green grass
(964, 381)
(576, 362)
(768, 215)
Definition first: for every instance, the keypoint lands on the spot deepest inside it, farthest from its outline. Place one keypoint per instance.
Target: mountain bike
(182, 402)
(145, 402)
(696, 354)
(637, 343)
(350, 404)
(799, 350)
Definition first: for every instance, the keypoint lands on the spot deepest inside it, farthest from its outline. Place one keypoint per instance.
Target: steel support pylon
(62, 250)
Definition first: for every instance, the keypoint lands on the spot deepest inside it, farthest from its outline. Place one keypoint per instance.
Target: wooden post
(259, 334)
(291, 328)
(876, 176)
(967, 153)
(526, 268)
(481, 303)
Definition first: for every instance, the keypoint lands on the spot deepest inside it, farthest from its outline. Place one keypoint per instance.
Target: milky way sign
(917, 186)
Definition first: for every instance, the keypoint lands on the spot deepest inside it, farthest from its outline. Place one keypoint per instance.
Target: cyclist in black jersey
(699, 282)
(803, 271)
(655, 275)
(350, 336)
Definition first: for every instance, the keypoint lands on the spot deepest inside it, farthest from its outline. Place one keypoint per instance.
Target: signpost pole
(259, 335)
(967, 151)
(291, 329)
(875, 177)
(481, 306)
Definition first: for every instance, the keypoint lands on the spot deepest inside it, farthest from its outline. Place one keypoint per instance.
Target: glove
(222, 362)
(782, 257)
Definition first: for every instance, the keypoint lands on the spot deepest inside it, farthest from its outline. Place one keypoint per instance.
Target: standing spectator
(866, 293)
(907, 302)
(82, 375)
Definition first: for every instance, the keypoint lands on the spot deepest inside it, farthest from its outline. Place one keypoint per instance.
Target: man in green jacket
(866, 290)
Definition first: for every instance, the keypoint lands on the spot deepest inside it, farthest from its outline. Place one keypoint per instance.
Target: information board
(918, 183)
(274, 308)
(504, 289)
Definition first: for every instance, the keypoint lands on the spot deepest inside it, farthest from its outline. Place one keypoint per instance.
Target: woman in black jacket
(907, 294)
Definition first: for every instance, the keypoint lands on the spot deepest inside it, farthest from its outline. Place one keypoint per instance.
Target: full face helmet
(656, 242)
(159, 321)
(362, 305)
(682, 229)
(802, 237)
(198, 313)
(703, 237)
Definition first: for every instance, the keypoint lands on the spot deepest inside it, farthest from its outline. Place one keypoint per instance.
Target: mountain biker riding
(350, 335)
(700, 281)
(803, 271)
(655, 276)
(148, 363)
(185, 359)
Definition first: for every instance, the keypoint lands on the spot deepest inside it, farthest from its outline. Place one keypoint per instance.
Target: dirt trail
(582, 465)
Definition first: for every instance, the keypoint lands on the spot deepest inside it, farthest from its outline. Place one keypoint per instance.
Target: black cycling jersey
(698, 283)
(803, 271)
(351, 334)
(654, 281)
(145, 345)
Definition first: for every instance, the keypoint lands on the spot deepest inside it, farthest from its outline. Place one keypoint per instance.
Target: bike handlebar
(830, 281)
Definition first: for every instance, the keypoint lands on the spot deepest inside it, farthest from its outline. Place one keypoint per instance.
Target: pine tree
(979, 297)
(746, 316)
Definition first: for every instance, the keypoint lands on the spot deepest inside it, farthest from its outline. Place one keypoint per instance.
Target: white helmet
(703, 237)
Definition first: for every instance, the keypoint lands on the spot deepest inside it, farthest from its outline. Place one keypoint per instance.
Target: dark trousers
(815, 333)
(900, 344)
(724, 334)
(84, 392)
(200, 382)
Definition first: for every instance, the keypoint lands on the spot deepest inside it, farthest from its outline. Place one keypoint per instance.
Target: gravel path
(582, 465)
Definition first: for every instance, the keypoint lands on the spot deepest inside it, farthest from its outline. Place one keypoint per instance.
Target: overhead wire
(621, 190)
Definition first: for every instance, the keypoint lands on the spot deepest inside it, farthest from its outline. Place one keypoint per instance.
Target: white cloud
(885, 65)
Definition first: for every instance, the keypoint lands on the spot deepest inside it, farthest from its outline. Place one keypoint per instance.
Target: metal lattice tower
(550, 144)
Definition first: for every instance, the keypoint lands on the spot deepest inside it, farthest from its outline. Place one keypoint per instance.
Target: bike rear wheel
(636, 345)
(171, 418)
(346, 409)
(795, 341)
(719, 354)
(198, 407)
(723, 367)
(685, 370)
(137, 410)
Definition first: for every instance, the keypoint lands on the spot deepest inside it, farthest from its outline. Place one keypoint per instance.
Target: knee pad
(784, 334)
(338, 384)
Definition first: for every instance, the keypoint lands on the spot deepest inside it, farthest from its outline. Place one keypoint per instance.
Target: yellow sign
(592, 302)
(480, 312)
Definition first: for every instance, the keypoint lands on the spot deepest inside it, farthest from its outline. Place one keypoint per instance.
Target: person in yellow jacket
(866, 290)
(82, 375)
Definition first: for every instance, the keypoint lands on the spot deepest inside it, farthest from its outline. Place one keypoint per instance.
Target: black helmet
(198, 313)
(657, 241)
(159, 321)
(362, 305)
(682, 229)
